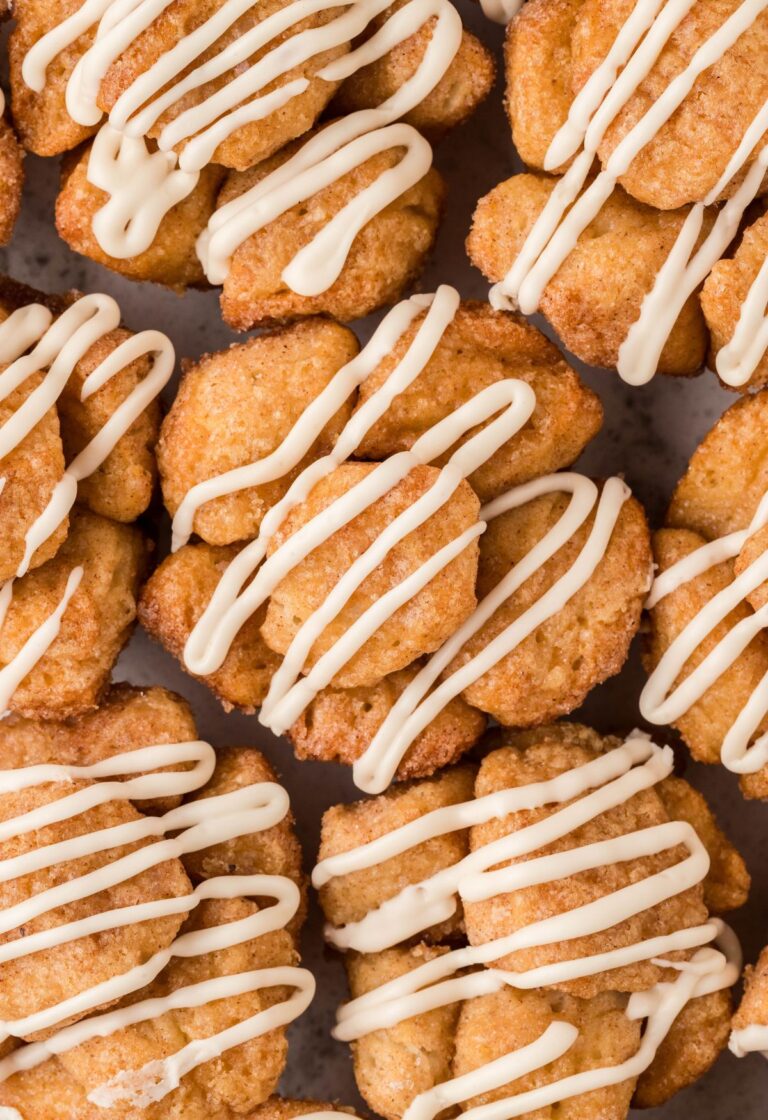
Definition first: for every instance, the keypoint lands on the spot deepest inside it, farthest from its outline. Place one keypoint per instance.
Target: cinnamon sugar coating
(550, 672)
(707, 722)
(555, 46)
(727, 474)
(349, 898)
(12, 178)
(341, 723)
(479, 348)
(718, 494)
(122, 486)
(463, 87)
(686, 158)
(172, 601)
(129, 716)
(753, 1009)
(726, 288)
(47, 128)
(171, 259)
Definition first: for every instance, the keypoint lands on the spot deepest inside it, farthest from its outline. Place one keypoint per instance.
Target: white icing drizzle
(501, 11)
(33, 342)
(749, 1040)
(189, 828)
(662, 701)
(250, 578)
(584, 793)
(144, 186)
(575, 202)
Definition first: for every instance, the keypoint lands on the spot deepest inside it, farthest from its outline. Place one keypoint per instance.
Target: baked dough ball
(275, 851)
(490, 1026)
(172, 601)
(707, 722)
(47, 128)
(551, 671)
(395, 1064)
(122, 486)
(35, 982)
(388, 253)
(236, 407)
(341, 723)
(725, 290)
(420, 625)
(718, 495)
(222, 1088)
(348, 898)
(42, 121)
(464, 86)
(171, 259)
(727, 474)
(31, 471)
(70, 677)
(695, 1041)
(260, 138)
(596, 295)
(686, 158)
(479, 348)
(385, 257)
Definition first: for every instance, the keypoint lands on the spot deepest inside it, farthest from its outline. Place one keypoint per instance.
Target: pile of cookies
(380, 546)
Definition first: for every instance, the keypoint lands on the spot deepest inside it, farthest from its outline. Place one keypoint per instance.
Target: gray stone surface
(648, 436)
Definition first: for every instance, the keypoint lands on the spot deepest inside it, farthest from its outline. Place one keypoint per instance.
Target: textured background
(648, 436)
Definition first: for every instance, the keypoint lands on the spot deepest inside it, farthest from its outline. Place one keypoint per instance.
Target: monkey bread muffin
(388, 550)
(536, 931)
(78, 422)
(278, 149)
(644, 129)
(144, 976)
(706, 648)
